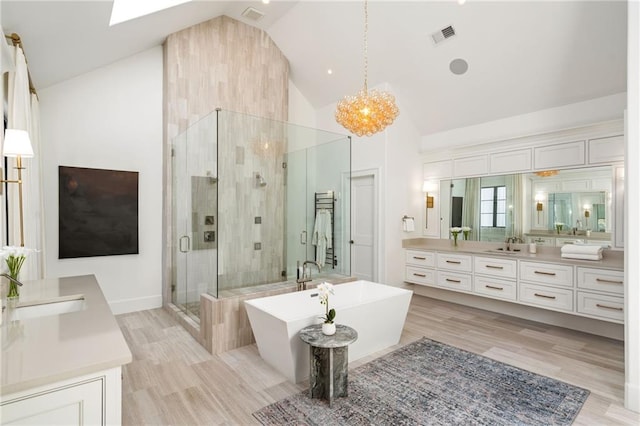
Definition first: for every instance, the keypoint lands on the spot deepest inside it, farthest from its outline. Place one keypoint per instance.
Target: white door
(363, 227)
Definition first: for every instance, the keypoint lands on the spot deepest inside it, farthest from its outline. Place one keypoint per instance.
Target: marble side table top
(313, 335)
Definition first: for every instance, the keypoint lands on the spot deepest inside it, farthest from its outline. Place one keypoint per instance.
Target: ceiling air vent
(443, 34)
(253, 14)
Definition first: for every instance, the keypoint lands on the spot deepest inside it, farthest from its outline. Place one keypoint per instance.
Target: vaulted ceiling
(522, 56)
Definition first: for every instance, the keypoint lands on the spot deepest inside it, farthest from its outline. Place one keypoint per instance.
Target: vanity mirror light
(532, 206)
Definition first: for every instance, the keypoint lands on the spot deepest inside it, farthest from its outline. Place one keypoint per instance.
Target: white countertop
(611, 259)
(44, 350)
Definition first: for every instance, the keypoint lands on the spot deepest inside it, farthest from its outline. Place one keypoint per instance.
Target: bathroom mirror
(499, 207)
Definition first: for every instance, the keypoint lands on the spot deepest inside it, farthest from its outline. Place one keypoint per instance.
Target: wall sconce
(427, 187)
(539, 205)
(17, 144)
(587, 213)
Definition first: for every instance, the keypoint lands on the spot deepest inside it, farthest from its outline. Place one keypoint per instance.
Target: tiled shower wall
(223, 63)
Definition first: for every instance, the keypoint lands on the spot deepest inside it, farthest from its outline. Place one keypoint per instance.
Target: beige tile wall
(223, 63)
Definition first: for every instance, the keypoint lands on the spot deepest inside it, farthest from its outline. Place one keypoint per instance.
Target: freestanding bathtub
(376, 311)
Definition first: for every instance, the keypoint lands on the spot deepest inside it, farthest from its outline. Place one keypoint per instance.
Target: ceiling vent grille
(253, 14)
(443, 34)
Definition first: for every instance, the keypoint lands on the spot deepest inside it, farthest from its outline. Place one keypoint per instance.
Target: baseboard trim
(632, 397)
(133, 305)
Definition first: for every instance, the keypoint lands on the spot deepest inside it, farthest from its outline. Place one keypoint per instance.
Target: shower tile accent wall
(228, 64)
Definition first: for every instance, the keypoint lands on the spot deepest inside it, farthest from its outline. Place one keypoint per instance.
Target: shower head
(260, 180)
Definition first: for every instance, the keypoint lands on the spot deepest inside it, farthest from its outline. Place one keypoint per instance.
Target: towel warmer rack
(326, 201)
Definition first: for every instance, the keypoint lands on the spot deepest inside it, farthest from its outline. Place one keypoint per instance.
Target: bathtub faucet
(303, 278)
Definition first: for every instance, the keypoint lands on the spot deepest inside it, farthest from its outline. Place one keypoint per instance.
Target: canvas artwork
(98, 212)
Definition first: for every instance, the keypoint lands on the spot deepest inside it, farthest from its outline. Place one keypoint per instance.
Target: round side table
(329, 360)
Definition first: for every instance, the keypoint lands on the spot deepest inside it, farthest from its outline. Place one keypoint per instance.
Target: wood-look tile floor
(174, 381)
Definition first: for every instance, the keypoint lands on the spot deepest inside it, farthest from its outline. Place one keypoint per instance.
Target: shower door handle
(303, 237)
(185, 239)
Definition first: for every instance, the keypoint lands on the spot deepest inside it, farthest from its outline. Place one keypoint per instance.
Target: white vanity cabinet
(454, 271)
(419, 267)
(495, 277)
(87, 400)
(554, 285)
(600, 293)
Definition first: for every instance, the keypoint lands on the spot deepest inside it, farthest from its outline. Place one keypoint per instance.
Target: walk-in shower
(245, 193)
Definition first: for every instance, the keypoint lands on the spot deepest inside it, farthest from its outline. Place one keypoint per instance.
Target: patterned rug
(430, 383)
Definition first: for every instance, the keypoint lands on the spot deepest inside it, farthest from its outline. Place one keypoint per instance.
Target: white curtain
(516, 183)
(471, 207)
(23, 114)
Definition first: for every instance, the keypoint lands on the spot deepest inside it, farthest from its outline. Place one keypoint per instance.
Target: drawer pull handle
(614, 308)
(544, 296)
(456, 262)
(419, 258)
(419, 275)
(602, 280)
(452, 281)
(494, 288)
(494, 267)
(544, 273)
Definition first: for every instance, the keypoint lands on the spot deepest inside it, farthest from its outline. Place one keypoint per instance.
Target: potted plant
(328, 326)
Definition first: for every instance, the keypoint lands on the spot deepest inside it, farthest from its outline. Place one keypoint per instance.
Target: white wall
(632, 199)
(110, 118)
(552, 119)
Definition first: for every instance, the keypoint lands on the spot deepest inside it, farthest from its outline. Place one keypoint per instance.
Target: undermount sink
(503, 251)
(47, 307)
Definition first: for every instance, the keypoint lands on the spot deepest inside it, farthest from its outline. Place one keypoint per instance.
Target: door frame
(378, 269)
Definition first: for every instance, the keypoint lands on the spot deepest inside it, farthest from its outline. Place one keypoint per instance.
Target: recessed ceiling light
(329, 71)
(265, 1)
(458, 66)
(126, 10)
(462, 2)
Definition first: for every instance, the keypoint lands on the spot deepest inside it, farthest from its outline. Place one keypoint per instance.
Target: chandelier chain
(366, 53)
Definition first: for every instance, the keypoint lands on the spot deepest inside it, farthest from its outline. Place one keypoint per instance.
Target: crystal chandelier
(369, 111)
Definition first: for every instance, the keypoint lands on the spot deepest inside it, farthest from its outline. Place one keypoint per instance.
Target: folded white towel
(582, 256)
(408, 225)
(581, 249)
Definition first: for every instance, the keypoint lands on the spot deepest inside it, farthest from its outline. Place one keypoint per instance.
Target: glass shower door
(195, 215)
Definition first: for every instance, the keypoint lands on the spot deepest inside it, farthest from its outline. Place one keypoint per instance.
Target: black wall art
(98, 212)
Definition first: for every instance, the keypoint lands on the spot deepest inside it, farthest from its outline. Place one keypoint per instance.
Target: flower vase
(14, 292)
(455, 240)
(328, 328)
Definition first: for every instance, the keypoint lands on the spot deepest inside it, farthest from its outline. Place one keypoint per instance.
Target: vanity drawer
(421, 276)
(547, 273)
(496, 267)
(454, 262)
(492, 287)
(548, 297)
(454, 281)
(420, 258)
(600, 305)
(601, 280)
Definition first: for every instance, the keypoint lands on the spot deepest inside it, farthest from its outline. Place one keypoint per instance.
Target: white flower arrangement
(465, 231)
(324, 289)
(14, 258)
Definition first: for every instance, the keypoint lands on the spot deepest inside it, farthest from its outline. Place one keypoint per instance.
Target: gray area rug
(430, 383)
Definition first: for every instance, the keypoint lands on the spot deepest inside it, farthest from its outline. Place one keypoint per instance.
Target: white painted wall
(552, 119)
(110, 118)
(301, 112)
(632, 227)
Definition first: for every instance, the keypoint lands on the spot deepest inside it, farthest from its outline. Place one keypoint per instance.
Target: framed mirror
(566, 203)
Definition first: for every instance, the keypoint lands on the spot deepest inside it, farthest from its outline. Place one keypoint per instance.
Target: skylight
(126, 10)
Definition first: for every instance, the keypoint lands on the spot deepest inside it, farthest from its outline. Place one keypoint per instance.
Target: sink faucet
(512, 240)
(303, 278)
